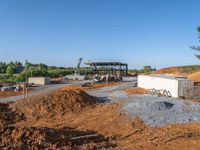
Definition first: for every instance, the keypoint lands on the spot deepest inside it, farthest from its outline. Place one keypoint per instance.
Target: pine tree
(197, 48)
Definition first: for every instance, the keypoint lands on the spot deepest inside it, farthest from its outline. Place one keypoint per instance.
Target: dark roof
(105, 63)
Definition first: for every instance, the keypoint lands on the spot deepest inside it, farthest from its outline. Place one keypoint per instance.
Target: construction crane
(78, 66)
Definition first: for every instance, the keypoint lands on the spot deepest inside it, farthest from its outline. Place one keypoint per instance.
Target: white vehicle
(8, 88)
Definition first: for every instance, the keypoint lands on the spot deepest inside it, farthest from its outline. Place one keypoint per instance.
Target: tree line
(16, 71)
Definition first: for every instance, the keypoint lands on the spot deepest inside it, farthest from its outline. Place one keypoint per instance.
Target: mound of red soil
(194, 76)
(169, 70)
(9, 116)
(56, 103)
(52, 105)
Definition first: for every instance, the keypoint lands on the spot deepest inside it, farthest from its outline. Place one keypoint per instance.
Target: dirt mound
(19, 128)
(194, 76)
(169, 70)
(55, 103)
(124, 133)
(114, 131)
(179, 70)
(70, 119)
(8, 116)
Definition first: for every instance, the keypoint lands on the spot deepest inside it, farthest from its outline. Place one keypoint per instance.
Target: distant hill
(192, 71)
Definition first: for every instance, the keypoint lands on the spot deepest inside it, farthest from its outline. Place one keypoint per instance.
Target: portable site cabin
(39, 80)
(177, 86)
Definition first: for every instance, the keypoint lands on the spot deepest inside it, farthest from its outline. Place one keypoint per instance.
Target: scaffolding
(113, 68)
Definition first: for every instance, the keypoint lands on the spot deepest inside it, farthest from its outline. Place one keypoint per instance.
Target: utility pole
(26, 62)
(26, 82)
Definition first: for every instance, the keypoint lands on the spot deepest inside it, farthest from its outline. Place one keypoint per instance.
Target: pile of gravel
(159, 111)
(152, 110)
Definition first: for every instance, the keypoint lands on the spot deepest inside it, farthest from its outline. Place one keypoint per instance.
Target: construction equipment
(76, 75)
(107, 78)
(78, 66)
(87, 83)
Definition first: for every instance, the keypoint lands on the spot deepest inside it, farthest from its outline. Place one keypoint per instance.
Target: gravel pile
(159, 111)
(152, 110)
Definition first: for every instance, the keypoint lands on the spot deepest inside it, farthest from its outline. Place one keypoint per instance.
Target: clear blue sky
(140, 32)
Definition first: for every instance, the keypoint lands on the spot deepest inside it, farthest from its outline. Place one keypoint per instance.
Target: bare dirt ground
(135, 90)
(195, 77)
(4, 94)
(12, 95)
(47, 88)
(169, 70)
(192, 75)
(63, 119)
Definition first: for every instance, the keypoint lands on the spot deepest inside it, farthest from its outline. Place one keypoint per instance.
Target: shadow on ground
(41, 138)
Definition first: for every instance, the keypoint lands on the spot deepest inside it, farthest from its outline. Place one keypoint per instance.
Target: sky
(158, 33)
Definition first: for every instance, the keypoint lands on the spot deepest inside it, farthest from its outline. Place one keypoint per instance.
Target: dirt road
(36, 91)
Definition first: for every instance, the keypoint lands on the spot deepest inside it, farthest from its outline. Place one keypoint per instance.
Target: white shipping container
(178, 87)
(39, 80)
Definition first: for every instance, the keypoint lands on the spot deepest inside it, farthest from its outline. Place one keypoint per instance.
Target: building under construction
(112, 68)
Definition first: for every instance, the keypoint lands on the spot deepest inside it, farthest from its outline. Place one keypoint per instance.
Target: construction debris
(84, 136)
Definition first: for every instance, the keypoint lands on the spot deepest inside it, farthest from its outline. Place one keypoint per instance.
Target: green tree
(10, 70)
(197, 48)
(147, 68)
(43, 67)
(27, 64)
(3, 67)
(18, 67)
(21, 77)
(11, 64)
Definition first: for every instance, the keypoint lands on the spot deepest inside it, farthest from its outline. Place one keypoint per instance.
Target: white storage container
(178, 87)
(39, 80)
